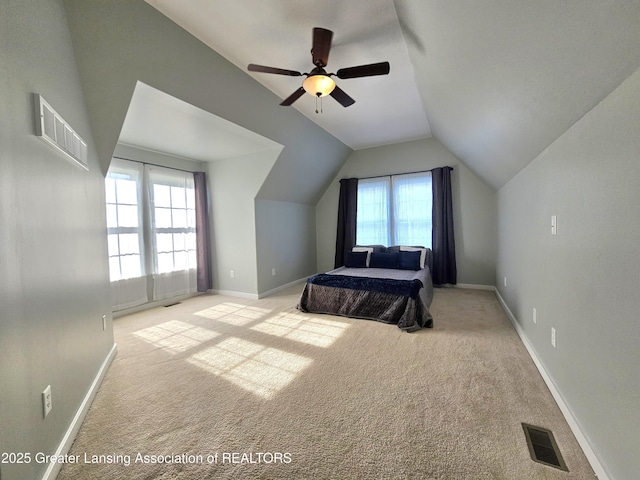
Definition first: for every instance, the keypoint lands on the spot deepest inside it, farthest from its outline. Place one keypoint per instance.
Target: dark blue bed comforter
(403, 288)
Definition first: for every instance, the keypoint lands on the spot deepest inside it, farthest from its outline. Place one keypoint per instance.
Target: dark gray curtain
(443, 244)
(347, 207)
(203, 253)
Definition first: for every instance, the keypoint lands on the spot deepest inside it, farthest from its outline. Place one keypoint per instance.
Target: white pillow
(423, 253)
(364, 249)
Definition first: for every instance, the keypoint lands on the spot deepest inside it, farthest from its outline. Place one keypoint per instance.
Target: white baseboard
(63, 448)
(257, 296)
(153, 304)
(557, 396)
(231, 293)
(283, 287)
(473, 286)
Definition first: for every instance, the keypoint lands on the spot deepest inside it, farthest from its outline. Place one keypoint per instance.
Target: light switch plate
(46, 401)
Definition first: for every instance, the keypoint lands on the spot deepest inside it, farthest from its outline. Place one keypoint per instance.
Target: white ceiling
(159, 122)
(499, 80)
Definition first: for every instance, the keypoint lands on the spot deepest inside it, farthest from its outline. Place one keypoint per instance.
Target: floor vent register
(542, 447)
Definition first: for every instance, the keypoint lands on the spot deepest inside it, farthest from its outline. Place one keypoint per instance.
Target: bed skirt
(409, 314)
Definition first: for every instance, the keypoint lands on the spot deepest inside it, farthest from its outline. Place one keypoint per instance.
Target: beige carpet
(319, 397)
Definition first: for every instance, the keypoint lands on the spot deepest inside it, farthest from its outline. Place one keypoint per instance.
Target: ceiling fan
(318, 82)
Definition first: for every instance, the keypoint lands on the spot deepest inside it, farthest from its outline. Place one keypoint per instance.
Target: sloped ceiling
(498, 80)
(159, 122)
(278, 33)
(502, 80)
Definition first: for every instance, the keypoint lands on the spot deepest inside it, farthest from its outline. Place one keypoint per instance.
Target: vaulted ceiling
(496, 81)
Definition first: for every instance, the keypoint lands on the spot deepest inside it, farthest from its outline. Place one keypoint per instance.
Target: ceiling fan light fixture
(318, 85)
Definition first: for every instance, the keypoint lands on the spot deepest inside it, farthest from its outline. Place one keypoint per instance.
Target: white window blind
(395, 210)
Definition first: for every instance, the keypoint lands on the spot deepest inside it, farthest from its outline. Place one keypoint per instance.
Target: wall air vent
(52, 128)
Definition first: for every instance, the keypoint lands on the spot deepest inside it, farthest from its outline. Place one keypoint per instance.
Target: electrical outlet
(553, 337)
(505, 280)
(104, 322)
(273, 272)
(46, 400)
(535, 315)
(232, 274)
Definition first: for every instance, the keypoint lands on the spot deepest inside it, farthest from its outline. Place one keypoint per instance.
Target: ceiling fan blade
(279, 71)
(370, 70)
(341, 97)
(321, 46)
(293, 97)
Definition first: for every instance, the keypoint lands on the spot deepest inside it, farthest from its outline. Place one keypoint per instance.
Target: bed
(389, 284)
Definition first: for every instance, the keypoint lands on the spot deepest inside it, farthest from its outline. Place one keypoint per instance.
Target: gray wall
(474, 204)
(276, 224)
(54, 285)
(252, 236)
(584, 281)
(233, 185)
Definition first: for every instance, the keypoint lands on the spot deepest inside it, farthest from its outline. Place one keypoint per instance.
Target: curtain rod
(155, 164)
(396, 174)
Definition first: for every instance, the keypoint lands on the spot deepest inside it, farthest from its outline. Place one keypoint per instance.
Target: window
(373, 211)
(395, 210)
(124, 225)
(174, 221)
(412, 208)
(151, 232)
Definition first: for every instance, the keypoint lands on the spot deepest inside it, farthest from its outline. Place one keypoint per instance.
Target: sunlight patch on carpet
(175, 336)
(233, 313)
(261, 370)
(318, 332)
